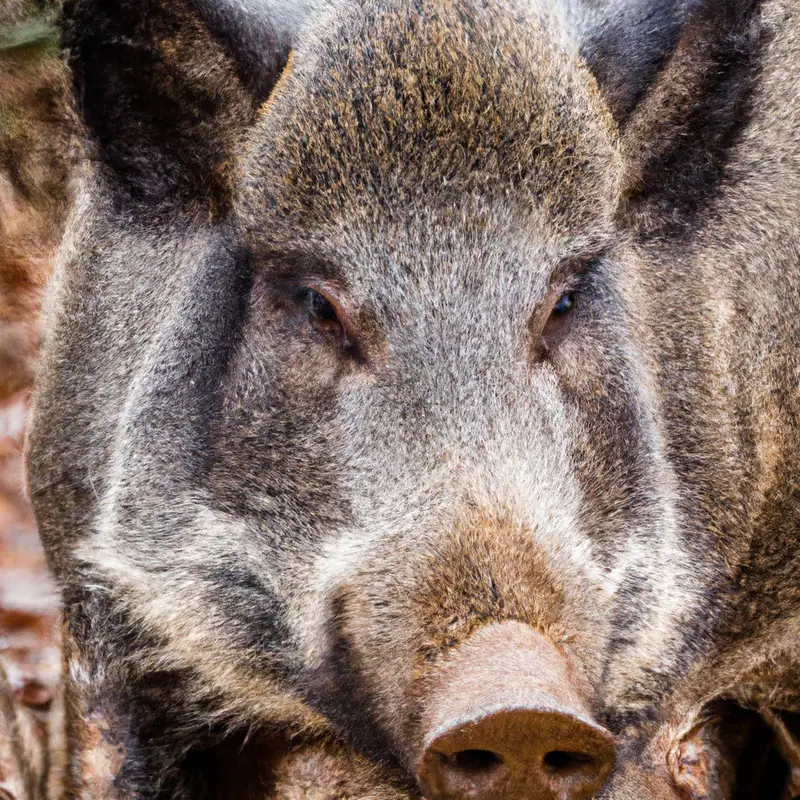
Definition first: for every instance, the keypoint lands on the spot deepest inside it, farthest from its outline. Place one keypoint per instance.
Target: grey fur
(261, 525)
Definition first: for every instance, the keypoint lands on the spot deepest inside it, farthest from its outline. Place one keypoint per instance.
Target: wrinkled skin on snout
(421, 396)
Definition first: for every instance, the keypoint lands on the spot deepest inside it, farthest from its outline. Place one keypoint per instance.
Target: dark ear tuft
(626, 42)
(258, 43)
(677, 137)
(165, 87)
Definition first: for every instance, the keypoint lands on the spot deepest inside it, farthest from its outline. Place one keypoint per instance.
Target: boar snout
(506, 720)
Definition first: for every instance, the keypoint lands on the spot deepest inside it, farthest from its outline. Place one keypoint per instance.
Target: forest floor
(29, 651)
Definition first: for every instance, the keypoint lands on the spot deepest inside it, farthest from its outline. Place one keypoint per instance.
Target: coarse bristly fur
(272, 529)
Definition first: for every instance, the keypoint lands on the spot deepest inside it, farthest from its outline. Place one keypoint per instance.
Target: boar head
(394, 390)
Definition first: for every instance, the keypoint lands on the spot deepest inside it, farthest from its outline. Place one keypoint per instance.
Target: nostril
(564, 761)
(461, 774)
(475, 761)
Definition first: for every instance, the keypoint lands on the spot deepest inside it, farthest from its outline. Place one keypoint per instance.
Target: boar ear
(626, 42)
(676, 137)
(166, 87)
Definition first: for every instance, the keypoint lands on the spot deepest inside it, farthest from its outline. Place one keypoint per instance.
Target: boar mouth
(734, 753)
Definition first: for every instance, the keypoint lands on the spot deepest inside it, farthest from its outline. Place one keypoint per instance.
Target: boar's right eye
(326, 315)
(321, 311)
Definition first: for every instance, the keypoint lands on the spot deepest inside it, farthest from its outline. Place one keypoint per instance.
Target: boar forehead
(407, 109)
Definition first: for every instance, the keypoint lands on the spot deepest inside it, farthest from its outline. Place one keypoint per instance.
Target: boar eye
(555, 328)
(320, 309)
(327, 314)
(564, 305)
(323, 313)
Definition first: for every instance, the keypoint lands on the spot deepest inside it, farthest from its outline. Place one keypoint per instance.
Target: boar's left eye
(564, 304)
(556, 324)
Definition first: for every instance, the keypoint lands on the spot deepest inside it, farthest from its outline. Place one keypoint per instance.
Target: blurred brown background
(34, 169)
(27, 595)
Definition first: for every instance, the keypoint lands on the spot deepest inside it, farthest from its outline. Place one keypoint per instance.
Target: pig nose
(506, 721)
(517, 754)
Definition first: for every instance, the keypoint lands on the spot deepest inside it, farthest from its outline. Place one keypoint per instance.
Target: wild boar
(416, 385)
